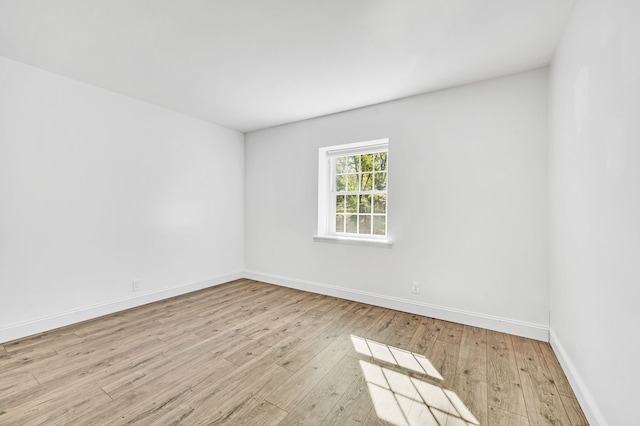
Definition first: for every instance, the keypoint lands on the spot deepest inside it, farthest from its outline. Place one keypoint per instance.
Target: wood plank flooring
(250, 353)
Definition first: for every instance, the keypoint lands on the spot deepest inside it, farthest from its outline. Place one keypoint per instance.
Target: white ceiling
(251, 64)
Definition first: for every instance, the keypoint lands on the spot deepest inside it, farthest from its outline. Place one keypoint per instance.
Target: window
(352, 193)
(360, 193)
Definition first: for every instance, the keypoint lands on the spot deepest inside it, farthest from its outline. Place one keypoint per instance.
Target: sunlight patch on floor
(401, 399)
(396, 356)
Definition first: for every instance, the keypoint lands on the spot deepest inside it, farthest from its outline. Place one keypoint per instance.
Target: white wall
(595, 207)
(96, 190)
(467, 205)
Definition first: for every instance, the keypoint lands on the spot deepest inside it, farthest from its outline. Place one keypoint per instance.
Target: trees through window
(353, 181)
(359, 193)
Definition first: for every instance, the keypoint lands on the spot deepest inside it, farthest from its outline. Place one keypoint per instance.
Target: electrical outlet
(415, 287)
(136, 285)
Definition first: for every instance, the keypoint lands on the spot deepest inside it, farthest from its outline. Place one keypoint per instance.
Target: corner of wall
(588, 403)
(62, 319)
(475, 319)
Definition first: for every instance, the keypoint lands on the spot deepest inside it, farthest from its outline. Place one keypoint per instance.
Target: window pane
(352, 204)
(365, 224)
(366, 182)
(365, 204)
(379, 225)
(352, 163)
(340, 204)
(366, 162)
(380, 161)
(357, 194)
(352, 224)
(352, 184)
(381, 181)
(380, 203)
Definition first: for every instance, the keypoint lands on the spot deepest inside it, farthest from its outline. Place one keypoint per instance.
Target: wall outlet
(415, 287)
(136, 285)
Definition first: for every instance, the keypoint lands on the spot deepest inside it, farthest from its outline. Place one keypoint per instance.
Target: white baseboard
(586, 400)
(42, 324)
(505, 325)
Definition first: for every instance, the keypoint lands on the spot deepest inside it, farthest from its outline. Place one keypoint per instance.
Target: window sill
(353, 241)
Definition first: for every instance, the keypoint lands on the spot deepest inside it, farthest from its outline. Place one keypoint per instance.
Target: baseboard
(586, 400)
(39, 325)
(505, 325)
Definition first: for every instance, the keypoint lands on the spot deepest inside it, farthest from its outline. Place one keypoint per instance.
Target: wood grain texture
(541, 396)
(318, 403)
(576, 416)
(473, 394)
(500, 417)
(444, 357)
(473, 353)
(353, 407)
(503, 377)
(251, 353)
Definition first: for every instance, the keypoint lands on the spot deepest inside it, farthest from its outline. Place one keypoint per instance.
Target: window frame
(326, 194)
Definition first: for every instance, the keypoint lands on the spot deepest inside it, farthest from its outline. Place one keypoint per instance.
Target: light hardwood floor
(251, 353)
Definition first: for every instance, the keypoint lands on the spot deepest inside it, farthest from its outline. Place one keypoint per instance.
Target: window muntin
(358, 195)
(352, 194)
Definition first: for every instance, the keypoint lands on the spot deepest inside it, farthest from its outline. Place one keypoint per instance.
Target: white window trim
(324, 233)
(354, 241)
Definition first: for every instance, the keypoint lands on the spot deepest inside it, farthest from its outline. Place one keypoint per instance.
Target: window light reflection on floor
(405, 359)
(404, 400)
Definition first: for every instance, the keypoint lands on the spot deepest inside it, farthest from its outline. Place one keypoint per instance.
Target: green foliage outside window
(361, 193)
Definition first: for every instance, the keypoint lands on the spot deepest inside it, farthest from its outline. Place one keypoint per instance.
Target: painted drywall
(468, 205)
(595, 206)
(97, 190)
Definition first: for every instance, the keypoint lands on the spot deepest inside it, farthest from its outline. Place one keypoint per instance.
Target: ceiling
(251, 64)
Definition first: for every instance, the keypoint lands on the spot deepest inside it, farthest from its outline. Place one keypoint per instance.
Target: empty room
(276, 212)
